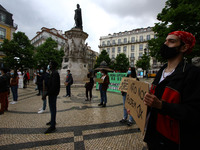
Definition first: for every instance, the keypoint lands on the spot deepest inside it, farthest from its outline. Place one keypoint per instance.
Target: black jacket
(177, 123)
(69, 79)
(4, 83)
(53, 84)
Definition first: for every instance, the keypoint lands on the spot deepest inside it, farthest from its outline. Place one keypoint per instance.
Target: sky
(100, 17)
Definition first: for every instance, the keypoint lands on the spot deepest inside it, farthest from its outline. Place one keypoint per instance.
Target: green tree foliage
(144, 62)
(102, 57)
(177, 15)
(48, 52)
(121, 62)
(18, 51)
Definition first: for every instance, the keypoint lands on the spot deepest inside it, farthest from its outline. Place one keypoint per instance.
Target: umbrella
(103, 66)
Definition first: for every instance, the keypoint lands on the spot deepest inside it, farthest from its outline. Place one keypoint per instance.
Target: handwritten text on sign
(124, 84)
(134, 101)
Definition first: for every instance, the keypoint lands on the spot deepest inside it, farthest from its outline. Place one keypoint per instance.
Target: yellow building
(7, 27)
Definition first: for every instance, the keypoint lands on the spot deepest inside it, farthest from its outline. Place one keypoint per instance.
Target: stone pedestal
(75, 56)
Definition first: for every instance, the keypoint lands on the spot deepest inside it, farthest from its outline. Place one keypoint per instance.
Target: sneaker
(48, 123)
(123, 121)
(50, 130)
(40, 108)
(100, 104)
(13, 102)
(41, 111)
(129, 123)
(86, 99)
(104, 105)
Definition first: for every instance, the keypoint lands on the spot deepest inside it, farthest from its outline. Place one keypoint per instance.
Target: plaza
(81, 125)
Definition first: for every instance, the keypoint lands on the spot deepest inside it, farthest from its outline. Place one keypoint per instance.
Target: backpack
(72, 81)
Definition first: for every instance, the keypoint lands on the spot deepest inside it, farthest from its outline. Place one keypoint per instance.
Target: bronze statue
(78, 18)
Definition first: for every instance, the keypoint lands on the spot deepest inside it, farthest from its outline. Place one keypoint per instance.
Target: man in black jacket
(53, 90)
(174, 100)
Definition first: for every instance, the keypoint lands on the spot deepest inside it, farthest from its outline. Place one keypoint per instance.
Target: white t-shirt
(165, 74)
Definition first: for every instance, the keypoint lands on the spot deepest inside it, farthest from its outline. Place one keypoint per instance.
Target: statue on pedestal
(78, 18)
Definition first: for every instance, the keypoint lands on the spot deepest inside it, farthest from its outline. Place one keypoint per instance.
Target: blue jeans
(14, 92)
(44, 100)
(52, 107)
(125, 111)
(68, 90)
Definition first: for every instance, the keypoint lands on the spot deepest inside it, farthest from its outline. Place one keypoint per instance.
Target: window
(124, 49)
(133, 39)
(119, 41)
(125, 40)
(2, 33)
(132, 48)
(140, 54)
(132, 55)
(108, 42)
(113, 50)
(119, 49)
(113, 56)
(141, 38)
(108, 50)
(141, 47)
(103, 43)
(148, 37)
(2, 17)
(113, 41)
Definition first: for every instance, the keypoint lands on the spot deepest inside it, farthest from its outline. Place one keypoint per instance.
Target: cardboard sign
(134, 101)
(124, 84)
(99, 80)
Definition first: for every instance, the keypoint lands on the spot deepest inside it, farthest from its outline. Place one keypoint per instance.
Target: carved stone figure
(78, 18)
(66, 50)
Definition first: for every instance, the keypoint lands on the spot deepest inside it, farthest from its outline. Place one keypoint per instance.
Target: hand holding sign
(152, 101)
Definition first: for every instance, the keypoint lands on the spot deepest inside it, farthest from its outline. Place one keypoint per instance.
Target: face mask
(12, 73)
(41, 71)
(48, 67)
(169, 52)
(38, 71)
(129, 72)
(102, 74)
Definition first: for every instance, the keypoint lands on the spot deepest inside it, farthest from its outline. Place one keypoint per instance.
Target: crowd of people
(173, 100)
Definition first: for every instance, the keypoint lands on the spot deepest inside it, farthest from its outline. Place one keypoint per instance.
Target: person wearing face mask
(174, 100)
(53, 89)
(68, 83)
(44, 83)
(131, 74)
(103, 88)
(14, 86)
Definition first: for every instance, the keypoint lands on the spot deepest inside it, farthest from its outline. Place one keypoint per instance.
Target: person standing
(3, 90)
(174, 100)
(53, 90)
(131, 74)
(44, 80)
(68, 83)
(103, 88)
(89, 86)
(14, 86)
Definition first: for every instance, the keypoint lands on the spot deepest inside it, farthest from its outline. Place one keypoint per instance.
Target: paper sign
(134, 101)
(124, 84)
(99, 80)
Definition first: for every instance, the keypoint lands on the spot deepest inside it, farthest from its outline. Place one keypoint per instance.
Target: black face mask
(169, 52)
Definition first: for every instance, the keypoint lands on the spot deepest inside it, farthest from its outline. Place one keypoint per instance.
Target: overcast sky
(100, 17)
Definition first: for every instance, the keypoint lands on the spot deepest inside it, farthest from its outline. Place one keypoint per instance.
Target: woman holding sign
(174, 99)
(131, 74)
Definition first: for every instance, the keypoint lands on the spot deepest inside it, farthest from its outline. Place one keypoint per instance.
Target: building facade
(46, 33)
(132, 43)
(7, 28)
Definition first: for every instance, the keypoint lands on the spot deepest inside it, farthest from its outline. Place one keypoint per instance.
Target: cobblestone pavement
(81, 125)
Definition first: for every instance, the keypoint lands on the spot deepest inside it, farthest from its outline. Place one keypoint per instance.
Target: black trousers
(90, 91)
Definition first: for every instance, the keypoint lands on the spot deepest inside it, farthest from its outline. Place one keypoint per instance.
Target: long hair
(133, 72)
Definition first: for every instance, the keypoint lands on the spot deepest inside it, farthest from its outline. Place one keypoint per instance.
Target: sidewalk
(80, 125)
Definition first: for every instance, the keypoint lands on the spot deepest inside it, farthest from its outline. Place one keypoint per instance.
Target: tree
(176, 15)
(18, 51)
(121, 62)
(102, 57)
(48, 52)
(144, 62)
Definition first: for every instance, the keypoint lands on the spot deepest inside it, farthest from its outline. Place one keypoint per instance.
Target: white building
(132, 43)
(46, 33)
